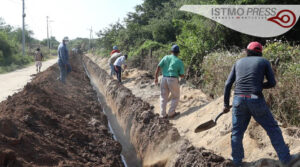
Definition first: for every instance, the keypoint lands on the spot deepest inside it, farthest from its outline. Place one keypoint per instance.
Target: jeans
(243, 109)
(64, 70)
(112, 70)
(119, 73)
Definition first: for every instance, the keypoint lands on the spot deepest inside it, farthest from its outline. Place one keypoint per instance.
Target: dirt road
(13, 82)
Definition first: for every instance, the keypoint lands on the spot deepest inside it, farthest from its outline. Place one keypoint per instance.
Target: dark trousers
(119, 72)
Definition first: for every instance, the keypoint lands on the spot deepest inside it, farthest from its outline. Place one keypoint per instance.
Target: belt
(170, 77)
(251, 96)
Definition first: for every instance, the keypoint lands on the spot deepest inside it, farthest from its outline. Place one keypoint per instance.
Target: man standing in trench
(248, 74)
(118, 66)
(172, 68)
(63, 60)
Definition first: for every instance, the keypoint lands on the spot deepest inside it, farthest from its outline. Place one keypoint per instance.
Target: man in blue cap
(172, 68)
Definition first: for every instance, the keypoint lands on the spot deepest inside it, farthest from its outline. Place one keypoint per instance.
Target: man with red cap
(248, 74)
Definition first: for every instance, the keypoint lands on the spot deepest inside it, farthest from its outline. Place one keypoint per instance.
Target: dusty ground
(52, 124)
(15, 81)
(196, 108)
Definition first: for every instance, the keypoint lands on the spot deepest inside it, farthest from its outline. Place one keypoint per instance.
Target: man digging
(248, 74)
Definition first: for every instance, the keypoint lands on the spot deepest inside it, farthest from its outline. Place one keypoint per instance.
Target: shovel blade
(205, 126)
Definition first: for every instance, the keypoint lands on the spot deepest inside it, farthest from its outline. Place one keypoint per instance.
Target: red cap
(255, 46)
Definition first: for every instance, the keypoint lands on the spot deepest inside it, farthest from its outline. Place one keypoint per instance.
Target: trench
(147, 140)
(128, 155)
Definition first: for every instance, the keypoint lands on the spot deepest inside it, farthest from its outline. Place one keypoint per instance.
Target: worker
(63, 59)
(248, 74)
(118, 66)
(111, 61)
(38, 56)
(115, 50)
(172, 68)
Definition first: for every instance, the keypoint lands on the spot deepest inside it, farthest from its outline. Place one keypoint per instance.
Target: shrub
(216, 68)
(283, 99)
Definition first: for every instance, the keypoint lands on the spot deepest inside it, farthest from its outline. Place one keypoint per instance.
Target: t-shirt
(171, 66)
(114, 57)
(38, 56)
(121, 60)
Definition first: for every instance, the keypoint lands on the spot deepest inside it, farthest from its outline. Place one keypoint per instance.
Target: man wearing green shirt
(172, 68)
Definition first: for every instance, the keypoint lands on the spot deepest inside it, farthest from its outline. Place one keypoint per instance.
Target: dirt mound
(55, 124)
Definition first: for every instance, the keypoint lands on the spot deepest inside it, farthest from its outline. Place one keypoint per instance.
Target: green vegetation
(285, 59)
(208, 49)
(11, 57)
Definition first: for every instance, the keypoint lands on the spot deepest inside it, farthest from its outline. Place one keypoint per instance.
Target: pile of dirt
(55, 124)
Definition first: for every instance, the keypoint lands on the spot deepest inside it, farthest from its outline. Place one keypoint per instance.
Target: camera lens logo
(284, 18)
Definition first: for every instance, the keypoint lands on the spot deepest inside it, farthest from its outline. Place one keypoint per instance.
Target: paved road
(15, 81)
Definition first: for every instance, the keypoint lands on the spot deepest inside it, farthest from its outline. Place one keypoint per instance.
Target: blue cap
(175, 49)
(115, 48)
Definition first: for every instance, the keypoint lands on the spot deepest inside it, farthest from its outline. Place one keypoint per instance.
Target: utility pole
(23, 31)
(48, 42)
(91, 33)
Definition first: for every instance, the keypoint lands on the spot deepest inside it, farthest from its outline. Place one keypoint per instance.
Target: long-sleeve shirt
(248, 74)
(63, 54)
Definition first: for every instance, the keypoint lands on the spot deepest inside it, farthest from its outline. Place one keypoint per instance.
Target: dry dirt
(15, 81)
(196, 108)
(54, 124)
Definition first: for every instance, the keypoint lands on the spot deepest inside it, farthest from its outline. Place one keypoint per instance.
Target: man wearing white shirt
(118, 66)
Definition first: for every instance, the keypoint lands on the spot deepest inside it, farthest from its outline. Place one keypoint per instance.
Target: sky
(72, 18)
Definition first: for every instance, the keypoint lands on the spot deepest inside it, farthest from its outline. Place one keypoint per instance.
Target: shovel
(209, 124)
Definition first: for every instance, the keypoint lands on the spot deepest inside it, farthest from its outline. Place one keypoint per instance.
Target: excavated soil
(55, 124)
(157, 142)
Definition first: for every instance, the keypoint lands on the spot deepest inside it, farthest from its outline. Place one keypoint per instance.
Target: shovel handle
(219, 116)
